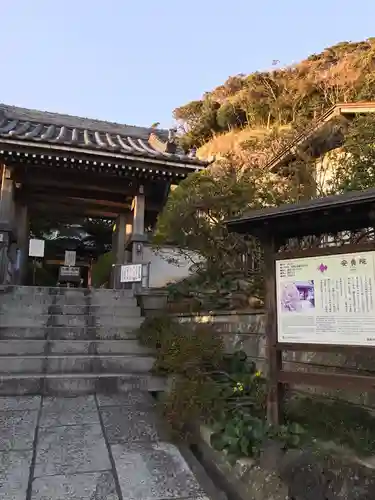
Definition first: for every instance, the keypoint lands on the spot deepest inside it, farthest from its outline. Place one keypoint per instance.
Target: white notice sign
(70, 258)
(131, 273)
(327, 300)
(36, 248)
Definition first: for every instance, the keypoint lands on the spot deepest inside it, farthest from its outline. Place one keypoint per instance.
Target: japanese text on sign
(327, 300)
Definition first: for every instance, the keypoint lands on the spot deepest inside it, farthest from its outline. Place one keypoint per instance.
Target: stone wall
(326, 473)
(246, 330)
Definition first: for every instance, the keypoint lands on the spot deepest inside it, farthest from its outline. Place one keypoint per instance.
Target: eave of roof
(340, 109)
(283, 218)
(32, 128)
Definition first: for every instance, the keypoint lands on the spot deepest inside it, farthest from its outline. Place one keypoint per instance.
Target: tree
(195, 213)
(356, 168)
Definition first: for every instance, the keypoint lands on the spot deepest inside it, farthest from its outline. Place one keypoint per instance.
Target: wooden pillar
(274, 356)
(138, 236)
(128, 236)
(120, 239)
(6, 226)
(22, 229)
(7, 197)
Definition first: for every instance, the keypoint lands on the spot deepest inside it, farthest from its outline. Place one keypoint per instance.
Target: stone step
(76, 363)
(32, 312)
(62, 384)
(13, 303)
(34, 347)
(29, 290)
(28, 320)
(67, 333)
(126, 307)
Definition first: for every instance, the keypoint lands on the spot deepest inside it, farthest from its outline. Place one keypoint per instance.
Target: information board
(327, 300)
(131, 273)
(68, 273)
(36, 248)
(70, 258)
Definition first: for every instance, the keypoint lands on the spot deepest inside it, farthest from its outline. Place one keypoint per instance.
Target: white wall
(168, 265)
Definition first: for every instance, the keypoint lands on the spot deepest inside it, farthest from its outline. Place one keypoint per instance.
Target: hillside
(248, 109)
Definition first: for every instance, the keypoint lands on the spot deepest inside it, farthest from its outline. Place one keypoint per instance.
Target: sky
(135, 61)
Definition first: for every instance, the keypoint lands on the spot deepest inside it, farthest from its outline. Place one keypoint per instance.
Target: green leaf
(294, 440)
(296, 428)
(218, 427)
(218, 441)
(232, 458)
(244, 445)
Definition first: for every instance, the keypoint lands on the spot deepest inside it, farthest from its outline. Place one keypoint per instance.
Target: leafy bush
(189, 353)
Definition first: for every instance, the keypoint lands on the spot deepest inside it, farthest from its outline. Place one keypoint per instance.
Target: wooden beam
(52, 198)
(50, 177)
(65, 210)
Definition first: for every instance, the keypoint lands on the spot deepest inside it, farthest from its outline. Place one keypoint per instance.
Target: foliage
(337, 421)
(95, 233)
(355, 168)
(244, 435)
(181, 348)
(101, 270)
(207, 291)
(188, 353)
(229, 393)
(344, 72)
(194, 220)
(240, 427)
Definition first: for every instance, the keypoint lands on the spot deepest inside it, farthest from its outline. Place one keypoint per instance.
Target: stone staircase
(59, 341)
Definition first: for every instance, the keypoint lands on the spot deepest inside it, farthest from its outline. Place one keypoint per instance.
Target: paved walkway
(89, 448)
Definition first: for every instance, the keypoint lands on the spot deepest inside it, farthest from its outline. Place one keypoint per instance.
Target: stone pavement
(89, 448)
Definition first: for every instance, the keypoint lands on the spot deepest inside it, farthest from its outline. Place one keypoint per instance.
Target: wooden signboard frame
(274, 227)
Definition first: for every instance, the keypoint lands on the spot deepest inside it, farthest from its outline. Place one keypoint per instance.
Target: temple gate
(70, 167)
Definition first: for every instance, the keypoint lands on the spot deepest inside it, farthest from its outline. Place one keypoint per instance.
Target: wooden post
(274, 356)
(6, 197)
(138, 208)
(22, 223)
(120, 239)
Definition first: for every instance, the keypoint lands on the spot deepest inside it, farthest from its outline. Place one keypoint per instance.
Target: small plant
(242, 434)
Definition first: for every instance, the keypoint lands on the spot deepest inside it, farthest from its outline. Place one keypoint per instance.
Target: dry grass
(231, 142)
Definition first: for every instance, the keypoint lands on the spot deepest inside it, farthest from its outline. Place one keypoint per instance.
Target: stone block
(69, 364)
(114, 333)
(17, 429)
(19, 364)
(129, 398)
(17, 320)
(149, 383)
(127, 364)
(117, 311)
(89, 486)
(71, 347)
(68, 320)
(14, 474)
(125, 424)
(19, 403)
(20, 386)
(69, 386)
(21, 347)
(154, 472)
(69, 309)
(69, 411)
(117, 322)
(25, 332)
(70, 450)
(131, 346)
(68, 333)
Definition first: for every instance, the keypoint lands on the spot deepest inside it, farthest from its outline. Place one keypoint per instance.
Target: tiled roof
(43, 127)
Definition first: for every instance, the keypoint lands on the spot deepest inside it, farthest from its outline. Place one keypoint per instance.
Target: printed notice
(327, 300)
